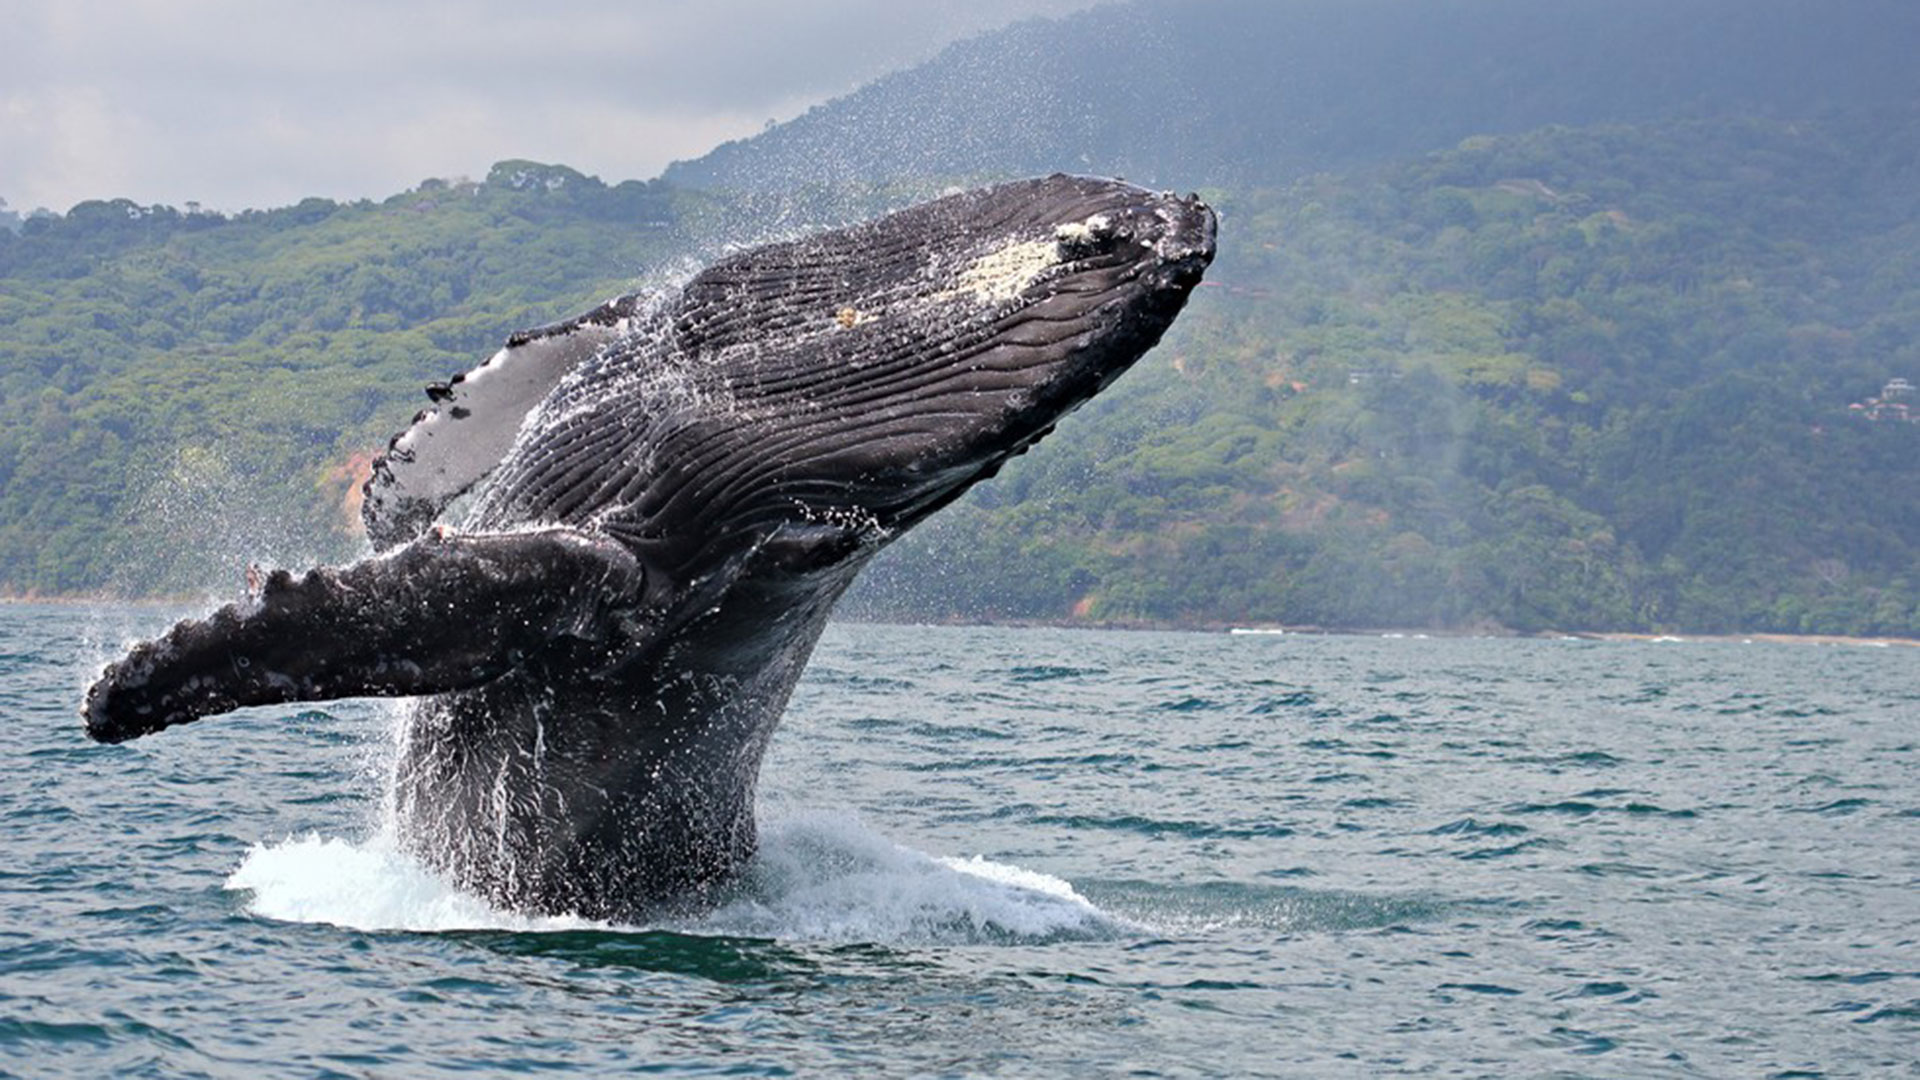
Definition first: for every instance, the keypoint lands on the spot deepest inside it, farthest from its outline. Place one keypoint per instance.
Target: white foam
(365, 886)
(819, 877)
(827, 877)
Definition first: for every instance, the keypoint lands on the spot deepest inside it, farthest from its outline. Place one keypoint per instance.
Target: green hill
(1561, 337)
(1574, 379)
(180, 392)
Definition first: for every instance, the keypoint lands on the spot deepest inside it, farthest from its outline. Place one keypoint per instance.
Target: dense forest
(1591, 376)
(1566, 380)
(184, 390)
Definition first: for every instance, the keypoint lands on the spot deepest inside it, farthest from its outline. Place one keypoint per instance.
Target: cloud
(237, 103)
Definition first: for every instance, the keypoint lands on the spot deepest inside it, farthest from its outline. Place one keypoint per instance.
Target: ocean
(1030, 852)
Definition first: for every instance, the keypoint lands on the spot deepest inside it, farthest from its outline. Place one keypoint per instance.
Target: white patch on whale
(498, 394)
(1001, 274)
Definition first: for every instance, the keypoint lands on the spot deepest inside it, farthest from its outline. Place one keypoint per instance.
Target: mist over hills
(1527, 315)
(1231, 93)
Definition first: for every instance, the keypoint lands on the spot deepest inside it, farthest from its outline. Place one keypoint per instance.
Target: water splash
(198, 518)
(365, 886)
(824, 876)
(819, 877)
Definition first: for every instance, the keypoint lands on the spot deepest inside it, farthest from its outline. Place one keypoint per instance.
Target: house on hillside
(1897, 402)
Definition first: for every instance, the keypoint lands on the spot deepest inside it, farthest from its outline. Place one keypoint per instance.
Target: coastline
(1195, 627)
(100, 599)
(1282, 630)
(1769, 638)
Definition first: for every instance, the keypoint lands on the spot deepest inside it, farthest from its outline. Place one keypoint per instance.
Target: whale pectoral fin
(475, 419)
(442, 613)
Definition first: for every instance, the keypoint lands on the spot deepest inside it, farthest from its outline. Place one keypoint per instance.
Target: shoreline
(1281, 630)
(1196, 627)
(1769, 638)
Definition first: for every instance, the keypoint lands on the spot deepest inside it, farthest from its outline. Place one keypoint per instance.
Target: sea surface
(1030, 853)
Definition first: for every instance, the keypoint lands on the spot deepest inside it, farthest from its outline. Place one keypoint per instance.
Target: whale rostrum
(666, 496)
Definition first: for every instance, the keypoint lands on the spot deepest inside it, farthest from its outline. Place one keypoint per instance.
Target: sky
(235, 104)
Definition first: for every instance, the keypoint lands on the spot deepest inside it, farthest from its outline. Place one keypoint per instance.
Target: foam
(819, 877)
(365, 886)
(827, 877)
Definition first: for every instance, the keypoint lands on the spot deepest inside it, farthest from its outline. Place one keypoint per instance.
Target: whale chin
(669, 493)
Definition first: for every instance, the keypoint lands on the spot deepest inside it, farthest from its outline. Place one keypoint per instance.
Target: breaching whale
(666, 496)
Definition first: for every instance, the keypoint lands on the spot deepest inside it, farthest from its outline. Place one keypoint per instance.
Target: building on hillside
(1898, 402)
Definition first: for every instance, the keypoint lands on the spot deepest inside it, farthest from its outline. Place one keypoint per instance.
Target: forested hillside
(1572, 379)
(179, 389)
(1482, 348)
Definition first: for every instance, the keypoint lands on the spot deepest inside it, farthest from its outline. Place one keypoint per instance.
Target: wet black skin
(602, 648)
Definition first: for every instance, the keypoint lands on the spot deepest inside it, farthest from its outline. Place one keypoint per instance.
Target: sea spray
(820, 876)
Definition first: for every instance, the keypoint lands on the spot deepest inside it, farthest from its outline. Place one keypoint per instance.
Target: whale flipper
(447, 612)
(449, 448)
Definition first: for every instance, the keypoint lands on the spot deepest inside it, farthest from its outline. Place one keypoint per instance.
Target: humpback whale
(602, 558)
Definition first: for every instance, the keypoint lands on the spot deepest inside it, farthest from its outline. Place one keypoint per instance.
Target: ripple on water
(1038, 673)
(1170, 855)
(1472, 827)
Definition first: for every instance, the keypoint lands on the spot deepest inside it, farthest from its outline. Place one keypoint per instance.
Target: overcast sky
(259, 103)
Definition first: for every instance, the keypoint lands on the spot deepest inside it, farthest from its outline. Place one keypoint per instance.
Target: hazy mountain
(1536, 315)
(1231, 92)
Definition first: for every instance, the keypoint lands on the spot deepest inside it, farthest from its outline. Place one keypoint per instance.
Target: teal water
(1031, 853)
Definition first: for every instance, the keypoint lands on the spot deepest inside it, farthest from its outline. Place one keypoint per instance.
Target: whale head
(1022, 303)
(838, 389)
